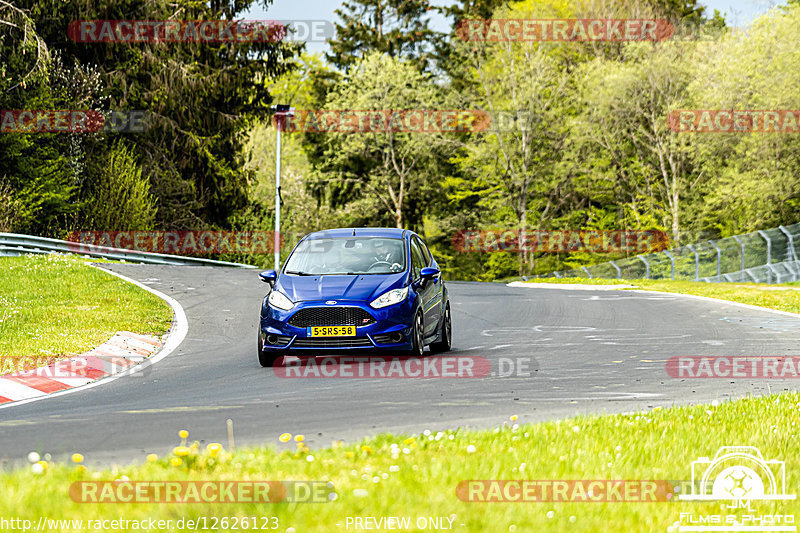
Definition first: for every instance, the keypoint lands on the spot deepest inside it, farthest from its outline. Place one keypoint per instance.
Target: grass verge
(416, 476)
(54, 306)
(784, 297)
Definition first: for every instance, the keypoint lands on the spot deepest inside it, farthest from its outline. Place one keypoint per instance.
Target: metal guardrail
(13, 244)
(764, 256)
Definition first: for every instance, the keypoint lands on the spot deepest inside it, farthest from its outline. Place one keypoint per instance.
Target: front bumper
(391, 329)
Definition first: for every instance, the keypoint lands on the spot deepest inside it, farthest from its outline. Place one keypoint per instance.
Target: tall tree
(201, 98)
(398, 28)
(379, 173)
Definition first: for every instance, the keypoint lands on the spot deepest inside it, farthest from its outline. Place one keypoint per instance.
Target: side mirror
(269, 277)
(429, 273)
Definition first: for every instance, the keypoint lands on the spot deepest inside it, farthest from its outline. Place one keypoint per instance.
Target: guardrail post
(587, 272)
(646, 266)
(792, 255)
(736, 238)
(769, 253)
(719, 257)
(696, 262)
(672, 264)
(619, 272)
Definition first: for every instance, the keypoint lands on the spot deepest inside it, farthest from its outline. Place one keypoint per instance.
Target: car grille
(332, 342)
(331, 316)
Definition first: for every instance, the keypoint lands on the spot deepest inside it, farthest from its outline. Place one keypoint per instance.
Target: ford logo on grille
(330, 302)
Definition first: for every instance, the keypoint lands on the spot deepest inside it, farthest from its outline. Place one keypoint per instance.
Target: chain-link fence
(764, 256)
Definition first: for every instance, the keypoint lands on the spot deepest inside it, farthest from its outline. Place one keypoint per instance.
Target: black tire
(417, 337)
(266, 359)
(445, 333)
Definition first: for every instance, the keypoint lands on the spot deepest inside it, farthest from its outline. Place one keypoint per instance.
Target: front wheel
(266, 359)
(417, 337)
(445, 334)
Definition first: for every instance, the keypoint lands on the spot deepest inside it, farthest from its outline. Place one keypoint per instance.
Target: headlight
(280, 300)
(389, 298)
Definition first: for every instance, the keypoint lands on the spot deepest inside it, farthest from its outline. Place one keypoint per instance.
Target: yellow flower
(181, 451)
(77, 458)
(366, 449)
(285, 437)
(513, 418)
(349, 455)
(214, 448)
(299, 438)
(183, 434)
(152, 458)
(176, 461)
(43, 463)
(408, 440)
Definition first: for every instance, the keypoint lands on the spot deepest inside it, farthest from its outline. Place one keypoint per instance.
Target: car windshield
(347, 255)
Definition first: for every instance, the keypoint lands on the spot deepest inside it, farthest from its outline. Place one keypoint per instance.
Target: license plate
(332, 331)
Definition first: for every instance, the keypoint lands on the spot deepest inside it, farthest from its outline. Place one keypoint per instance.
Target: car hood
(339, 287)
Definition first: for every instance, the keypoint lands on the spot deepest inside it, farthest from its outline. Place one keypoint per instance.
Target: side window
(425, 252)
(417, 259)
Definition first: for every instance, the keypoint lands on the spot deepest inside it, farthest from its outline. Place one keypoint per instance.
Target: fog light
(397, 337)
(272, 339)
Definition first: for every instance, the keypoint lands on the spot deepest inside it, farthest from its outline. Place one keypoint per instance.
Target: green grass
(375, 481)
(782, 297)
(54, 306)
(416, 476)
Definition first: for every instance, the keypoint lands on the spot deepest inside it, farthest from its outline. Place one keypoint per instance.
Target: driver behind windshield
(387, 254)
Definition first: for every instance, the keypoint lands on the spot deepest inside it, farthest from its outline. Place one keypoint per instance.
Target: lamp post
(282, 112)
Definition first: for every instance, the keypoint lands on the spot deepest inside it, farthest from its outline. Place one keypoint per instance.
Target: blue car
(355, 290)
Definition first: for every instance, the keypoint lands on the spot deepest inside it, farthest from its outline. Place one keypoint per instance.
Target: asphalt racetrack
(589, 351)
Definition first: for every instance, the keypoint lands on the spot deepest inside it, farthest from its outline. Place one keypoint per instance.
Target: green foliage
(120, 198)
(398, 28)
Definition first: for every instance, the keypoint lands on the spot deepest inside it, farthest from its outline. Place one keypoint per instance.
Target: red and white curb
(93, 378)
(120, 352)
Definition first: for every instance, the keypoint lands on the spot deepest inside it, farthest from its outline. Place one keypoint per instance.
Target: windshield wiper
(298, 273)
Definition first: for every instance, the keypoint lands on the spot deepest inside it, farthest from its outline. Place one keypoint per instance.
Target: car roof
(397, 233)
